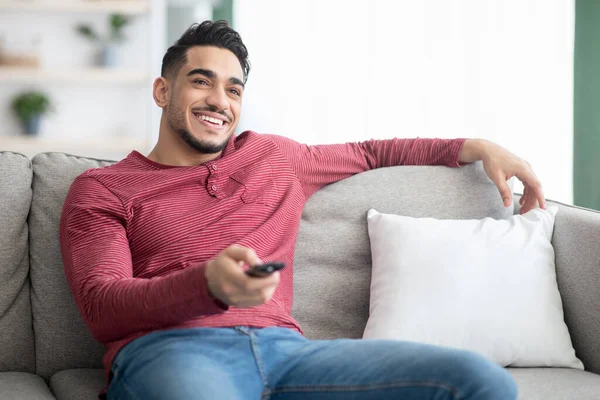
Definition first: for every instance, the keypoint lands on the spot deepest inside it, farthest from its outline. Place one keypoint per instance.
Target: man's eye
(201, 82)
(235, 91)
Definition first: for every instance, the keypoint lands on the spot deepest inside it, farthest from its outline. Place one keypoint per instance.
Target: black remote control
(265, 269)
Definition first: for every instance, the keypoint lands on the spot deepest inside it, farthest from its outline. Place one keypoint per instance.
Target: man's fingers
(531, 199)
(539, 196)
(257, 291)
(533, 190)
(525, 200)
(531, 202)
(259, 283)
(530, 181)
(228, 282)
(524, 196)
(526, 207)
(243, 254)
(504, 190)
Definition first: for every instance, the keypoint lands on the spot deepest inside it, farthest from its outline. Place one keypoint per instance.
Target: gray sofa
(47, 352)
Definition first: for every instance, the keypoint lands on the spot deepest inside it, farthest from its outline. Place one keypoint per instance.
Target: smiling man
(186, 92)
(156, 247)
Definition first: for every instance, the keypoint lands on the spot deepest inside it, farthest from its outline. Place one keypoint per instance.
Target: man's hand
(228, 282)
(501, 165)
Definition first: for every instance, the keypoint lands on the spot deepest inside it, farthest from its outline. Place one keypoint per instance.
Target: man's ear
(161, 92)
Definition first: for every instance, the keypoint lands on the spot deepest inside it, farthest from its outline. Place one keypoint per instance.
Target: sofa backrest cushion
(16, 333)
(332, 267)
(62, 340)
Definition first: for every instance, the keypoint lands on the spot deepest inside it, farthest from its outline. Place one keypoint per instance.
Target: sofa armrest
(576, 242)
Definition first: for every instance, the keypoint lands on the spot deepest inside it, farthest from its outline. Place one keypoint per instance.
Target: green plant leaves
(27, 105)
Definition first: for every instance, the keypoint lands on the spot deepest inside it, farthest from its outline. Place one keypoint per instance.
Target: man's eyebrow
(236, 81)
(200, 71)
(212, 75)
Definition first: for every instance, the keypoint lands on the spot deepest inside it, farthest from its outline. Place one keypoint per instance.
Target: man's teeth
(210, 119)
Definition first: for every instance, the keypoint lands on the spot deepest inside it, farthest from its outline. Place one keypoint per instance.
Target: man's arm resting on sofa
(320, 165)
(317, 166)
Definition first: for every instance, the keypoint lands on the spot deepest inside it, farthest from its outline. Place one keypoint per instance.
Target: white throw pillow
(487, 286)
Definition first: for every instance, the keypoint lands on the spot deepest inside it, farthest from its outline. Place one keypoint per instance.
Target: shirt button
(214, 187)
(214, 167)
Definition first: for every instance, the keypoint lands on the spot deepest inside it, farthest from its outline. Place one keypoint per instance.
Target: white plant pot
(109, 55)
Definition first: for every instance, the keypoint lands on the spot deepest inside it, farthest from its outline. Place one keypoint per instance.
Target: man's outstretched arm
(98, 267)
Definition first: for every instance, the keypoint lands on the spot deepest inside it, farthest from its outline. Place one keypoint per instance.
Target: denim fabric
(280, 364)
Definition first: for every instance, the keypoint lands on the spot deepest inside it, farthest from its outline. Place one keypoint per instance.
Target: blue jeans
(278, 363)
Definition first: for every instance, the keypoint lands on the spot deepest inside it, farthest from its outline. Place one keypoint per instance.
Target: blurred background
(76, 75)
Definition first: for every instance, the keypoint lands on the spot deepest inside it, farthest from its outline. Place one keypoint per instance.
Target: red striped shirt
(135, 236)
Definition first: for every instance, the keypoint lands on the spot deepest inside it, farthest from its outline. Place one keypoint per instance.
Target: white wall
(180, 15)
(89, 111)
(98, 109)
(327, 71)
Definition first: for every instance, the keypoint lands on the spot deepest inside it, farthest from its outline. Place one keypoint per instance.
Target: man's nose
(218, 99)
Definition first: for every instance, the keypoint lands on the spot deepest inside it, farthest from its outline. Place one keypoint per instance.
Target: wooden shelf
(87, 75)
(101, 148)
(83, 6)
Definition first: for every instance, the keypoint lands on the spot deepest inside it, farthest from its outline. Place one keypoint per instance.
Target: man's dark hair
(208, 33)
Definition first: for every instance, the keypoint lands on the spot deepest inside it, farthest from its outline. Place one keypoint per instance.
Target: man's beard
(176, 121)
(201, 146)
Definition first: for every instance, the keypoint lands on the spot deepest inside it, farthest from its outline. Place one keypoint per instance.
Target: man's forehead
(220, 61)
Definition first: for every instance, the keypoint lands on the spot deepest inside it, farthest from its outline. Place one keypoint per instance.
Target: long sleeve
(98, 266)
(317, 166)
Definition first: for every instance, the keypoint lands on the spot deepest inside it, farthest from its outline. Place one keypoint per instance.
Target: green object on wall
(224, 10)
(586, 112)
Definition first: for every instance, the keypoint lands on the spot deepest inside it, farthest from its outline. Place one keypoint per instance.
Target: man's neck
(178, 156)
(171, 150)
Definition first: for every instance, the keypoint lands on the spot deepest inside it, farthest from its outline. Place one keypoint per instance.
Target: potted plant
(29, 107)
(109, 44)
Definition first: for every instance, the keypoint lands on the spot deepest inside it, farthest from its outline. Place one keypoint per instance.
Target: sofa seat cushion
(534, 384)
(556, 383)
(78, 384)
(23, 386)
